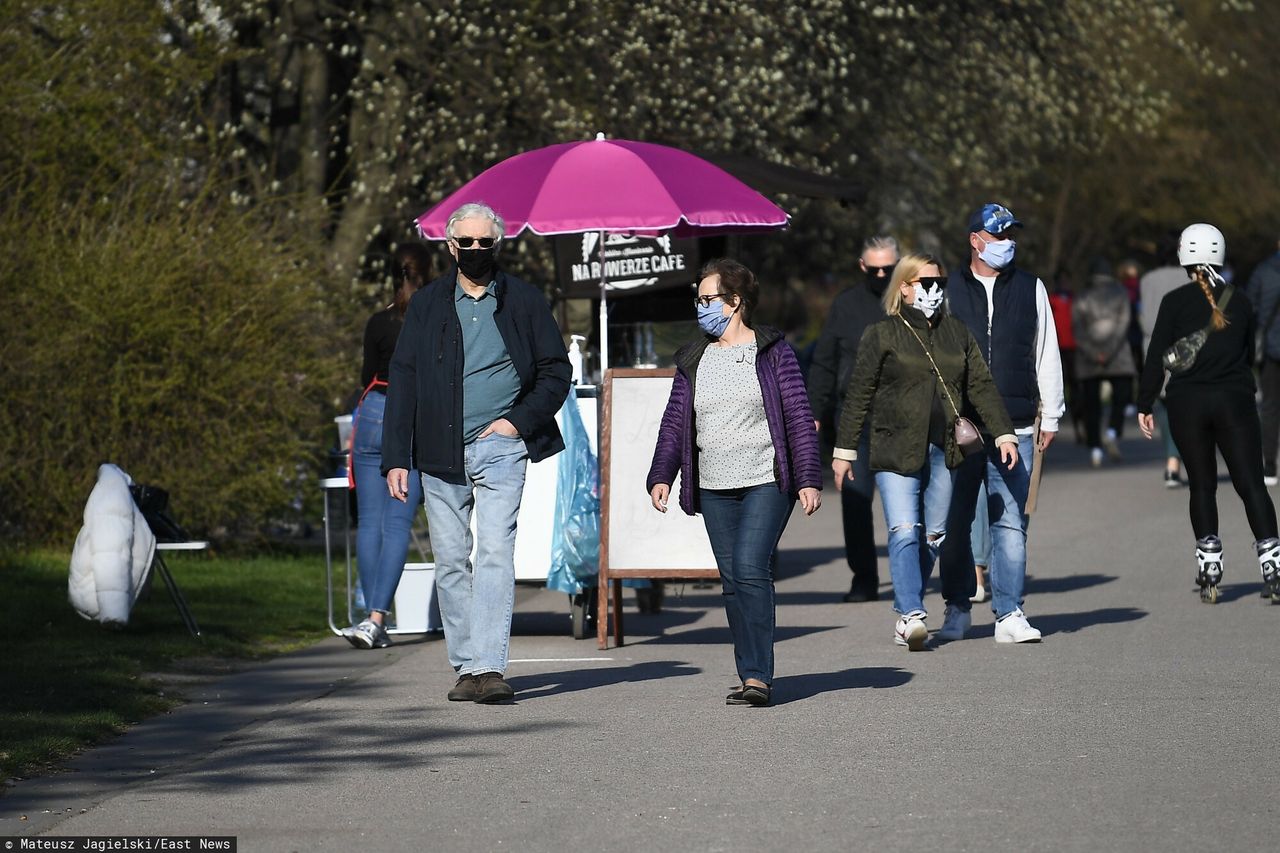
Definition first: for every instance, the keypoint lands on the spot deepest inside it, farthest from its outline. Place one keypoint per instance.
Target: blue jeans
(744, 526)
(1006, 503)
(915, 511)
(476, 601)
(980, 531)
(382, 537)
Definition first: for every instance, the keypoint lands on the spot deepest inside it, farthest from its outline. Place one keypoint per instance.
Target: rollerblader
(1203, 338)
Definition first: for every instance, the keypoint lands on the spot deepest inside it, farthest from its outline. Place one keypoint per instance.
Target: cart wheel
(582, 610)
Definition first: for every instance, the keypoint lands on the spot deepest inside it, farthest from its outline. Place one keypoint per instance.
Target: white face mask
(927, 300)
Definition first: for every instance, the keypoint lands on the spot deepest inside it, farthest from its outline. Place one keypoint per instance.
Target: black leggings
(1226, 421)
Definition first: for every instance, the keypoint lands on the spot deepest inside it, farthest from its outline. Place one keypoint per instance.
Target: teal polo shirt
(490, 383)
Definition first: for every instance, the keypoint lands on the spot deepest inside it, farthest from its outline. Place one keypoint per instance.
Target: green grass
(67, 683)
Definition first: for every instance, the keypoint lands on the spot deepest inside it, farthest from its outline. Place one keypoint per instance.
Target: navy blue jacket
(1010, 349)
(423, 424)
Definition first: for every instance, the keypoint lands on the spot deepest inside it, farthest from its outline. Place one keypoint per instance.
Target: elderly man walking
(1007, 310)
(478, 375)
(852, 311)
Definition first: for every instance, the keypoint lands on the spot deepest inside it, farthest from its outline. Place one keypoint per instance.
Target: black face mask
(478, 264)
(877, 284)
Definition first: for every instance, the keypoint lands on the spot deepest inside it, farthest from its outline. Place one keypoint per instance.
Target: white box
(416, 609)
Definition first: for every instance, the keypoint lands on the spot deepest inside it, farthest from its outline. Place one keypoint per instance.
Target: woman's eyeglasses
(931, 281)
(468, 242)
(705, 301)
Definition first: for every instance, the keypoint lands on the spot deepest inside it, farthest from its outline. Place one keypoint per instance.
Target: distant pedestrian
(1210, 396)
(477, 378)
(1007, 311)
(1264, 295)
(739, 431)
(1060, 300)
(913, 370)
(1153, 287)
(385, 523)
(1100, 321)
(852, 311)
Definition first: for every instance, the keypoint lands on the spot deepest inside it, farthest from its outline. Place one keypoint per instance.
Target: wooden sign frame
(610, 582)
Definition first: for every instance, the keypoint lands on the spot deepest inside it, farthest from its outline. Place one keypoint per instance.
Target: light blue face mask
(997, 254)
(712, 319)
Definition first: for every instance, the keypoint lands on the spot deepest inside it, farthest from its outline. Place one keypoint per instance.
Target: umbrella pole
(604, 313)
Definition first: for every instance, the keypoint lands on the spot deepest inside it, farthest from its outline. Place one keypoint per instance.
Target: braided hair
(1206, 276)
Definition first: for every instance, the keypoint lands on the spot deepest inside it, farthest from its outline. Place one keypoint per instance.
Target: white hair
(476, 210)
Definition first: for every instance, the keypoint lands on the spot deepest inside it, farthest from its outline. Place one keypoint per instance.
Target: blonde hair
(1200, 275)
(908, 269)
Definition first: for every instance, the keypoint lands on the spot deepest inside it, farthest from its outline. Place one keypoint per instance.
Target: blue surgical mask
(713, 320)
(997, 254)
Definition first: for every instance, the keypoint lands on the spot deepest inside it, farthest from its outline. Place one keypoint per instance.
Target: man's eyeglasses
(705, 301)
(468, 242)
(880, 272)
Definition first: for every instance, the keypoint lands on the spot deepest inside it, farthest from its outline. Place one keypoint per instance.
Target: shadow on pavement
(1068, 623)
(713, 635)
(1234, 591)
(1070, 583)
(541, 684)
(795, 688)
(793, 562)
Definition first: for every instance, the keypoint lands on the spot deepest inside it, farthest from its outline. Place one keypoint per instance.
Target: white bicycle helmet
(1201, 244)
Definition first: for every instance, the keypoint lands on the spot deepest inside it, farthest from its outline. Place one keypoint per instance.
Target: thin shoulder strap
(936, 372)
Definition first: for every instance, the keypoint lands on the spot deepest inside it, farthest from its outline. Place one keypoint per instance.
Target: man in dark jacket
(1264, 293)
(1008, 312)
(852, 311)
(478, 375)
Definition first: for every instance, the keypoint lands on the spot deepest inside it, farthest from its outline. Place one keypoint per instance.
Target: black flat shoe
(735, 697)
(757, 696)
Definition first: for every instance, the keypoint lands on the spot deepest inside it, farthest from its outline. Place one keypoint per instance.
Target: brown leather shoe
(466, 690)
(492, 689)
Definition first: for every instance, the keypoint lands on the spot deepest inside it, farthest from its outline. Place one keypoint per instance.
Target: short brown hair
(737, 280)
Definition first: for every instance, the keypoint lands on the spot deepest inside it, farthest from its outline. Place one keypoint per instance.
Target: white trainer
(1014, 628)
(910, 631)
(955, 624)
(981, 595)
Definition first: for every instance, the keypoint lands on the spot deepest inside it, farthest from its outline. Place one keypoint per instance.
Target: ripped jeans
(915, 511)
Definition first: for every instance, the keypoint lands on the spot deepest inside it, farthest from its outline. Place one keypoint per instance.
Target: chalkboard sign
(637, 541)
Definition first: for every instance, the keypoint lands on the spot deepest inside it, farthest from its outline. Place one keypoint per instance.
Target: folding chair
(154, 503)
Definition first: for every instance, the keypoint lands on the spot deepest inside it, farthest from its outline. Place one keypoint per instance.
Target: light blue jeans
(476, 601)
(915, 511)
(1006, 503)
(382, 536)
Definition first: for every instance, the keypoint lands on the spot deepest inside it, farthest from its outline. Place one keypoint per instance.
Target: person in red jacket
(1060, 301)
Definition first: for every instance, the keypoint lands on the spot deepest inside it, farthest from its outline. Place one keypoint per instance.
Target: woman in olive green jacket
(895, 378)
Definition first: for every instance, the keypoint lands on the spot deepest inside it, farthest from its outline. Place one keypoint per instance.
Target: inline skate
(1209, 571)
(1269, 562)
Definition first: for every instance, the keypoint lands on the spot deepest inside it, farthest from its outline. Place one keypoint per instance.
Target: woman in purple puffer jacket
(739, 431)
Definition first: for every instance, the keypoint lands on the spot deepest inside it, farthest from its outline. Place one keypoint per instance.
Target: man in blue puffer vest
(1007, 310)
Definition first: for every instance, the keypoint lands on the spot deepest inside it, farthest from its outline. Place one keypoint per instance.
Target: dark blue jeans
(744, 526)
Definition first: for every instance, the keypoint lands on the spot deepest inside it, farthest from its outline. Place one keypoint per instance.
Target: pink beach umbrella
(611, 185)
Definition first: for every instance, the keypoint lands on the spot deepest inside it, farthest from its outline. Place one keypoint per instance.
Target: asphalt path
(1145, 720)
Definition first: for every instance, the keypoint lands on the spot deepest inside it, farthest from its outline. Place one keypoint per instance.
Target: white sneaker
(981, 595)
(1014, 628)
(911, 632)
(955, 624)
(1095, 457)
